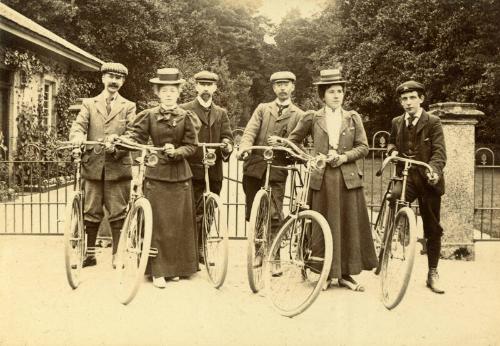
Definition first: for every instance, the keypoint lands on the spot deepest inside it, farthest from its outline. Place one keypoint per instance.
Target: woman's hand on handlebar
(228, 149)
(242, 155)
(169, 149)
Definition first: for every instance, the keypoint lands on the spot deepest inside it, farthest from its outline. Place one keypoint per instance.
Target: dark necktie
(411, 119)
(108, 104)
(281, 108)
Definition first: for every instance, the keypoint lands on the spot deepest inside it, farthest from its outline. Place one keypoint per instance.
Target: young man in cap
(276, 118)
(215, 128)
(106, 173)
(419, 135)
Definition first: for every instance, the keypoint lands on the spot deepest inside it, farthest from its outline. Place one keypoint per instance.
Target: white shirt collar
(287, 102)
(203, 103)
(335, 112)
(417, 115)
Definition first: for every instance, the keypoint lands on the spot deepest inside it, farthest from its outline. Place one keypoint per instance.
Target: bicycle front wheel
(258, 239)
(133, 249)
(215, 240)
(299, 262)
(383, 222)
(74, 239)
(399, 254)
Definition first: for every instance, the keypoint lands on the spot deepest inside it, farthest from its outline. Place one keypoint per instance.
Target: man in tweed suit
(106, 173)
(276, 118)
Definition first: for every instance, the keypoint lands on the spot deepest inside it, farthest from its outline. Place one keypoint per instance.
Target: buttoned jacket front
(430, 145)
(94, 123)
(352, 142)
(214, 128)
(179, 128)
(264, 123)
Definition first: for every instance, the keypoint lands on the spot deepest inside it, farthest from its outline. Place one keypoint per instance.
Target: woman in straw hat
(337, 190)
(168, 185)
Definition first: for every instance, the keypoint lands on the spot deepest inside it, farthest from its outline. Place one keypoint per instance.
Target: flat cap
(206, 76)
(408, 86)
(114, 67)
(282, 76)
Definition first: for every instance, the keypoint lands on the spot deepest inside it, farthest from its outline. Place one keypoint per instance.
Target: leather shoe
(433, 281)
(89, 261)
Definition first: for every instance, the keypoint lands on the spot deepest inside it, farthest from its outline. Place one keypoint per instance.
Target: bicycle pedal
(153, 252)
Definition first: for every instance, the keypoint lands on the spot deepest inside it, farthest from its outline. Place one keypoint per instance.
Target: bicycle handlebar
(402, 159)
(213, 145)
(130, 144)
(71, 145)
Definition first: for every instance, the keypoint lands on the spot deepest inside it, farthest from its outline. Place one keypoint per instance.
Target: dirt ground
(37, 307)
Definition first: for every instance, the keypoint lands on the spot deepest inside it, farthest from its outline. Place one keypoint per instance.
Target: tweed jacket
(264, 123)
(178, 127)
(430, 145)
(213, 129)
(352, 142)
(94, 123)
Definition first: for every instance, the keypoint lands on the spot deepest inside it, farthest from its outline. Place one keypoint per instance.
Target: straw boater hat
(327, 77)
(114, 67)
(167, 76)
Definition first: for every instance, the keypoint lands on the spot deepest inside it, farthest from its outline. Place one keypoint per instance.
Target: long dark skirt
(346, 213)
(173, 228)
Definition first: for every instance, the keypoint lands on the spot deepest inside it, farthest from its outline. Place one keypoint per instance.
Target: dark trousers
(429, 202)
(252, 185)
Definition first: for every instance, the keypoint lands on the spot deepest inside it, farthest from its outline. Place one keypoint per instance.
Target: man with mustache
(419, 135)
(275, 118)
(106, 173)
(215, 128)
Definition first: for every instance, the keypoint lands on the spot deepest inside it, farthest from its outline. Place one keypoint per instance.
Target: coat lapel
(287, 112)
(424, 118)
(200, 112)
(322, 120)
(116, 107)
(100, 105)
(346, 120)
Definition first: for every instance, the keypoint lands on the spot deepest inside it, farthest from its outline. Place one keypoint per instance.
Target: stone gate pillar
(457, 205)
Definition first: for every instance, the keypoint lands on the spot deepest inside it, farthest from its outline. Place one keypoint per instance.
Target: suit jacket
(264, 123)
(94, 123)
(179, 128)
(430, 145)
(352, 142)
(213, 130)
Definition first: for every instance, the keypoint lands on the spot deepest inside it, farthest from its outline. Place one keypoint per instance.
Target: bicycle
(75, 243)
(214, 231)
(302, 249)
(259, 236)
(394, 234)
(293, 275)
(134, 247)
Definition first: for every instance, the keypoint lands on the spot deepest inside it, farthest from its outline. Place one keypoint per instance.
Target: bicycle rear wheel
(299, 262)
(399, 254)
(258, 239)
(74, 239)
(215, 240)
(133, 249)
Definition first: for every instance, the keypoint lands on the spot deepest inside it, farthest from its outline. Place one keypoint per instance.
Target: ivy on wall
(36, 141)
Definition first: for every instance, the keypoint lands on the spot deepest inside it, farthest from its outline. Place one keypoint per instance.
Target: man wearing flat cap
(419, 135)
(215, 128)
(275, 118)
(106, 173)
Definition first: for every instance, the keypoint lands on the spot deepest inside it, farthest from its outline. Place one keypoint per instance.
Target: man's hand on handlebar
(432, 178)
(109, 145)
(228, 149)
(274, 140)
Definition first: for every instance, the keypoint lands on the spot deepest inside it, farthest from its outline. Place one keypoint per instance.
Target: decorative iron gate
(486, 196)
